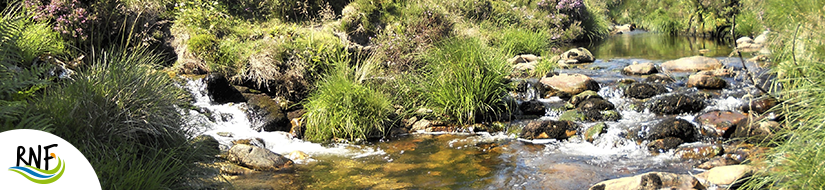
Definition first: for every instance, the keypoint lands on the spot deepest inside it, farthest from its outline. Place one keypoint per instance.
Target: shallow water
(483, 160)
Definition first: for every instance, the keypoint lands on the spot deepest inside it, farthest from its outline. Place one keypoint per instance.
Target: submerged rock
(257, 158)
(675, 104)
(644, 90)
(549, 129)
(651, 180)
(692, 64)
(569, 84)
(640, 69)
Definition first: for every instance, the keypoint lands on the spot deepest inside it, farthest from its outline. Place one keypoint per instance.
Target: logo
(36, 173)
(41, 160)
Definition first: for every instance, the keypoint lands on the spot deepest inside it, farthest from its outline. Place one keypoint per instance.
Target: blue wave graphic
(31, 172)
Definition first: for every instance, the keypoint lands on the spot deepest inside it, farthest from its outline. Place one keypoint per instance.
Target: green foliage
(344, 107)
(122, 113)
(796, 161)
(38, 38)
(520, 41)
(466, 80)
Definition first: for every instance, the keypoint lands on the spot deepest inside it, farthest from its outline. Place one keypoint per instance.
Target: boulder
(665, 144)
(596, 104)
(265, 114)
(257, 158)
(576, 56)
(659, 78)
(726, 175)
(591, 133)
(644, 90)
(692, 64)
(675, 104)
(533, 107)
(725, 122)
(650, 180)
(221, 91)
(744, 40)
(703, 80)
(549, 129)
(699, 152)
(524, 58)
(581, 97)
(640, 69)
(421, 125)
(762, 38)
(569, 84)
(673, 127)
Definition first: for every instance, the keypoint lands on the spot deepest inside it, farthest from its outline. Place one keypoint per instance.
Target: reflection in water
(655, 46)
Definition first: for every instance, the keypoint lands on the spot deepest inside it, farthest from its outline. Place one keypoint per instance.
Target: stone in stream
(726, 175)
(699, 152)
(230, 168)
(759, 105)
(675, 104)
(644, 90)
(664, 144)
(659, 78)
(221, 91)
(756, 130)
(257, 158)
(589, 106)
(567, 85)
(673, 127)
(640, 69)
(298, 129)
(723, 160)
(576, 56)
(725, 122)
(265, 114)
(705, 80)
(591, 133)
(524, 58)
(207, 144)
(651, 180)
(549, 129)
(691, 64)
(533, 107)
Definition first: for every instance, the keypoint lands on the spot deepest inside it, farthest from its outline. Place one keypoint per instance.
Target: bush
(344, 107)
(466, 80)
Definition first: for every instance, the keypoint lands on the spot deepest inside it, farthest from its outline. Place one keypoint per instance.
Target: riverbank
(304, 57)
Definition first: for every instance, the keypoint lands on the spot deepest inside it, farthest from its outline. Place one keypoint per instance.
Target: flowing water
(483, 160)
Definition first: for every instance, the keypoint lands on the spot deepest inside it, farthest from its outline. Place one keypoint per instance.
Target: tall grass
(466, 80)
(797, 162)
(344, 107)
(122, 114)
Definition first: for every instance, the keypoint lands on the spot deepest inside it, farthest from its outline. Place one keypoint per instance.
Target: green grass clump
(466, 80)
(122, 114)
(521, 41)
(344, 107)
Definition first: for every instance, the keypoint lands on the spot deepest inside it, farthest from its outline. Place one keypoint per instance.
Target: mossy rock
(572, 115)
(591, 133)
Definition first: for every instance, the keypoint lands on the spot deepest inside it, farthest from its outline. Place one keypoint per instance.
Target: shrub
(71, 17)
(466, 80)
(344, 107)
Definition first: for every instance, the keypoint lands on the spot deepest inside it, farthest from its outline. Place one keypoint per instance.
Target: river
(491, 161)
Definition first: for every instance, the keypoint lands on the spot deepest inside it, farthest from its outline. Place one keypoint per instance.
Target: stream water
(484, 160)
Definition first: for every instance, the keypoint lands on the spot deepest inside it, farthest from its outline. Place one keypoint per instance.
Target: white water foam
(232, 118)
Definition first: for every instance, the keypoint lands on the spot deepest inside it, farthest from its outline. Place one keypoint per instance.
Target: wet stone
(532, 108)
(673, 127)
(651, 180)
(549, 129)
(659, 78)
(644, 90)
(759, 105)
(591, 133)
(703, 80)
(699, 152)
(723, 160)
(665, 144)
(257, 158)
(726, 175)
(265, 114)
(694, 63)
(725, 122)
(640, 69)
(567, 85)
(675, 104)
(221, 91)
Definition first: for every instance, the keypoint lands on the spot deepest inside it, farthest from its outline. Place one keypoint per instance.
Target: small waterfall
(228, 122)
